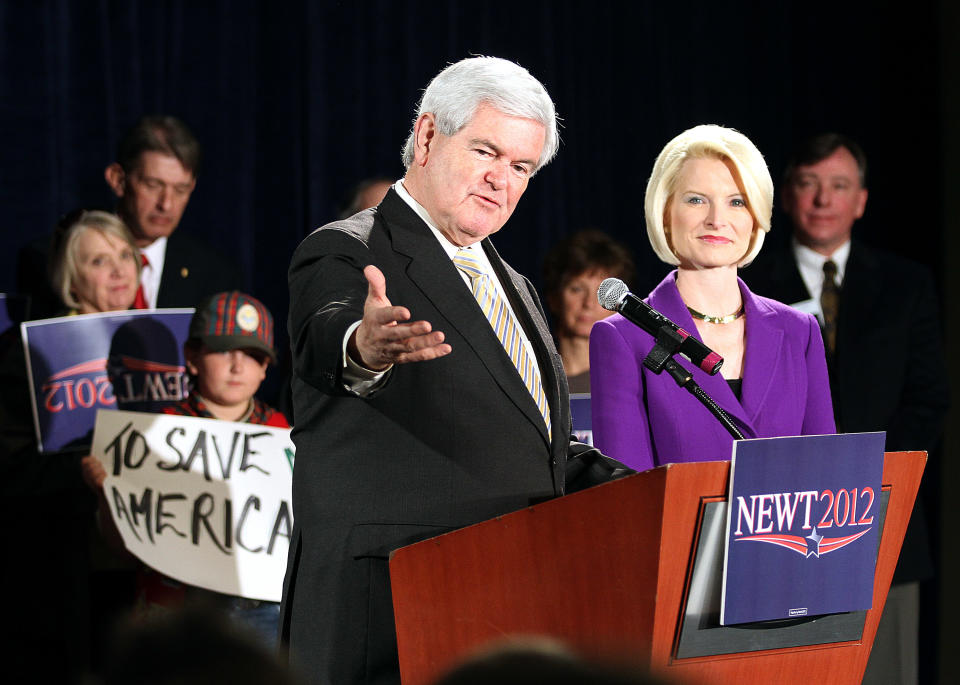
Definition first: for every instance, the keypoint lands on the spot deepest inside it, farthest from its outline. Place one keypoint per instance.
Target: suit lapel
(434, 274)
(858, 295)
(778, 277)
(762, 349)
(170, 276)
(791, 282)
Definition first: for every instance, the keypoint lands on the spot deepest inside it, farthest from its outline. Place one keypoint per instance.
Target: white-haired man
(412, 417)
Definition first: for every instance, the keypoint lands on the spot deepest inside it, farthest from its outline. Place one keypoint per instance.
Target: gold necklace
(716, 319)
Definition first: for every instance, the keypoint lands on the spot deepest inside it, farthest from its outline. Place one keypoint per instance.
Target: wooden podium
(607, 571)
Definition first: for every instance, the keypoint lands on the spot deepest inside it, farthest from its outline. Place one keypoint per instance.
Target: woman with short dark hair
(572, 272)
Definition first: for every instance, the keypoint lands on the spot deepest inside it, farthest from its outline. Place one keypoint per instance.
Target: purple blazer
(643, 419)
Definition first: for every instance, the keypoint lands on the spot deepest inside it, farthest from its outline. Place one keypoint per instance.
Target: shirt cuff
(358, 379)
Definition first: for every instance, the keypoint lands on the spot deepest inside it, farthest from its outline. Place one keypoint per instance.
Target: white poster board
(203, 501)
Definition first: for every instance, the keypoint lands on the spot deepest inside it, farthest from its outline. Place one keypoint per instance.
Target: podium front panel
(701, 633)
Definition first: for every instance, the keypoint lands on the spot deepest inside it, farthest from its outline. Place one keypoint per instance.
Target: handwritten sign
(203, 501)
(79, 364)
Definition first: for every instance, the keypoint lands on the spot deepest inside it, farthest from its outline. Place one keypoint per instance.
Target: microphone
(613, 295)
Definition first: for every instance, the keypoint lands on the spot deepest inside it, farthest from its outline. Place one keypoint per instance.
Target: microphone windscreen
(611, 293)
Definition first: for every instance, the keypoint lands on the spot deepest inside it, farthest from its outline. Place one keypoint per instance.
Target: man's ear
(861, 202)
(190, 354)
(424, 135)
(116, 178)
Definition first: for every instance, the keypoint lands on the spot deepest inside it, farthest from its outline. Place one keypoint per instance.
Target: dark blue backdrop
(295, 101)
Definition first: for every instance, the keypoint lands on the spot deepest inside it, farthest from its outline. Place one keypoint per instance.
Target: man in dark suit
(881, 330)
(412, 417)
(153, 179)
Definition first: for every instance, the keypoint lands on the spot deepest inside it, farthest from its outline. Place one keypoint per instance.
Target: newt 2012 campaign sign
(78, 364)
(203, 501)
(802, 526)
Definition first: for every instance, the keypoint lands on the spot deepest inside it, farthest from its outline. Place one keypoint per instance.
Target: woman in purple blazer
(708, 206)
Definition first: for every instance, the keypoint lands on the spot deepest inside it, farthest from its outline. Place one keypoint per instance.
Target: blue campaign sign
(582, 420)
(802, 523)
(116, 360)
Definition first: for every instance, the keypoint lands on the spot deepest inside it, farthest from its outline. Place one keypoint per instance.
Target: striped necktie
(505, 327)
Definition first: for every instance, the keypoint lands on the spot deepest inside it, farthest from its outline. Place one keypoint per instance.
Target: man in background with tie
(153, 177)
(427, 390)
(881, 332)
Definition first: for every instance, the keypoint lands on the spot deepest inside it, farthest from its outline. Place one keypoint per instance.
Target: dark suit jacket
(888, 369)
(191, 271)
(442, 444)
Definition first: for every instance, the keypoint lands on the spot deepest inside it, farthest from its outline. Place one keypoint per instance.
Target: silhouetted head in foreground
(191, 647)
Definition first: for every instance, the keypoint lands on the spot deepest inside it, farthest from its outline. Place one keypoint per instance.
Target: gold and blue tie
(505, 327)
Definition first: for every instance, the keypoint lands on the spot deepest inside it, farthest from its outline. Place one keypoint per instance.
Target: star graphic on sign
(813, 543)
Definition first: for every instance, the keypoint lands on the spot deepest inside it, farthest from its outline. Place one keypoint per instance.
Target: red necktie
(140, 302)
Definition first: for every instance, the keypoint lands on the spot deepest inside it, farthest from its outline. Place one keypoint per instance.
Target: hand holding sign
(204, 501)
(93, 473)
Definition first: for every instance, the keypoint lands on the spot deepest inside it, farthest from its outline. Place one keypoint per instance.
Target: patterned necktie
(830, 305)
(140, 302)
(506, 328)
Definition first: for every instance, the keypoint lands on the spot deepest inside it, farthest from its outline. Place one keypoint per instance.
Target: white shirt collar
(814, 260)
(450, 248)
(810, 265)
(476, 251)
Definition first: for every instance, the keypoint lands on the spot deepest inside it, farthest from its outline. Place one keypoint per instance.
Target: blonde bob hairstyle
(63, 265)
(709, 141)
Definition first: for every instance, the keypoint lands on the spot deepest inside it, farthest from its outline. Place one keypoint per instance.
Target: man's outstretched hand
(384, 336)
